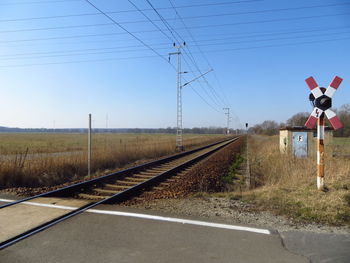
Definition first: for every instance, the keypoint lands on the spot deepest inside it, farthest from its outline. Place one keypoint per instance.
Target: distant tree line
(169, 130)
(272, 127)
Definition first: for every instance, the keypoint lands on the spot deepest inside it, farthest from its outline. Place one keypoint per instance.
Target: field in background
(46, 159)
(341, 146)
(287, 185)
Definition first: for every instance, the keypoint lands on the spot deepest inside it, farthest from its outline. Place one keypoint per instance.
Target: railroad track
(116, 187)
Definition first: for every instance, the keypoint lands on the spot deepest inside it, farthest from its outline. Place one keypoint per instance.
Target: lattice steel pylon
(179, 139)
(227, 113)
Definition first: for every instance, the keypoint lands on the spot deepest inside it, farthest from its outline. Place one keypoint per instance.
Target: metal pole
(89, 147)
(179, 132)
(320, 153)
(179, 145)
(227, 113)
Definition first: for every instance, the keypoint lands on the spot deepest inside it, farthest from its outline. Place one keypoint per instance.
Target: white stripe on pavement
(153, 217)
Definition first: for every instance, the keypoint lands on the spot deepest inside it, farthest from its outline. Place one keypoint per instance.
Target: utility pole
(179, 142)
(227, 113)
(179, 139)
(89, 147)
(248, 179)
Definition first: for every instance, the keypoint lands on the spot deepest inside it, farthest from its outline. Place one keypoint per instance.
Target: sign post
(89, 147)
(248, 181)
(322, 101)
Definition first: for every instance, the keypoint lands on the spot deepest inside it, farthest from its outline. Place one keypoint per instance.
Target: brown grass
(31, 166)
(287, 185)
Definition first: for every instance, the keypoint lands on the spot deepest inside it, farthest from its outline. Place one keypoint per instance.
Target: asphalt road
(319, 247)
(114, 234)
(92, 237)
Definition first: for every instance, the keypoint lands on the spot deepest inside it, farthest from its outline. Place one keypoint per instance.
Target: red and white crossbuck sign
(323, 102)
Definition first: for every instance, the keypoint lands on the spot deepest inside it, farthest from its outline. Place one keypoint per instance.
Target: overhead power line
(127, 31)
(173, 33)
(177, 7)
(214, 98)
(208, 51)
(190, 55)
(38, 2)
(278, 45)
(228, 36)
(191, 27)
(121, 49)
(150, 20)
(78, 61)
(116, 12)
(167, 36)
(196, 44)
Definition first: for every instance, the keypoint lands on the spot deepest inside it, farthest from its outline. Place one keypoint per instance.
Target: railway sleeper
(158, 170)
(120, 182)
(169, 165)
(170, 180)
(146, 176)
(92, 197)
(157, 188)
(134, 179)
(107, 191)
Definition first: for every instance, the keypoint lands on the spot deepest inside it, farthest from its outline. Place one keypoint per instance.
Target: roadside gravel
(233, 212)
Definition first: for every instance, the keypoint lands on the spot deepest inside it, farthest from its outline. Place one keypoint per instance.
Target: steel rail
(67, 190)
(121, 196)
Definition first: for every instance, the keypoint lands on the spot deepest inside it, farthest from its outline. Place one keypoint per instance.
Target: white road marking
(152, 217)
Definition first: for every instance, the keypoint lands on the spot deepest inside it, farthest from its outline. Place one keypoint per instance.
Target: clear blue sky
(56, 67)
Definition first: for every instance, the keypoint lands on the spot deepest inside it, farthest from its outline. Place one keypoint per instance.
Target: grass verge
(287, 185)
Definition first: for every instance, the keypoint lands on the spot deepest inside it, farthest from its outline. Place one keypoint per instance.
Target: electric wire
(208, 51)
(166, 35)
(162, 19)
(130, 33)
(173, 32)
(121, 11)
(77, 61)
(226, 103)
(240, 35)
(278, 45)
(196, 44)
(150, 20)
(183, 58)
(200, 84)
(159, 45)
(177, 7)
(38, 2)
(134, 36)
(201, 26)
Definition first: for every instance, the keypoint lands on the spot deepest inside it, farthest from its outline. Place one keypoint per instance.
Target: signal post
(321, 99)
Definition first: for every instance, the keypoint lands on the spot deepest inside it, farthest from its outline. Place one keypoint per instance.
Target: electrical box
(301, 142)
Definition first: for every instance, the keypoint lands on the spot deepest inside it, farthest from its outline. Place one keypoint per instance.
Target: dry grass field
(33, 159)
(287, 185)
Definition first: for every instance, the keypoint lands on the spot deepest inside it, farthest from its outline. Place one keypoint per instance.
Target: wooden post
(89, 147)
(320, 153)
(248, 178)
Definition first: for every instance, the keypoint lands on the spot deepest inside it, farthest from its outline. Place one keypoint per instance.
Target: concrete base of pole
(320, 183)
